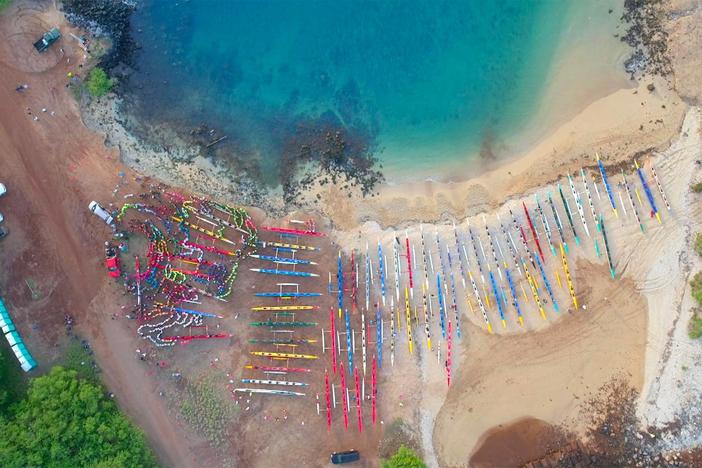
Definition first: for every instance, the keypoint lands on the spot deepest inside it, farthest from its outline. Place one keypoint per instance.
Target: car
(3, 189)
(101, 213)
(112, 261)
(3, 233)
(348, 456)
(2, 218)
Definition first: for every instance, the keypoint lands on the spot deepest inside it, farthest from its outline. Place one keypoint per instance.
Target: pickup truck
(47, 39)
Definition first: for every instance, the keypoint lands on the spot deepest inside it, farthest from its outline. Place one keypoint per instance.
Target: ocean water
(425, 84)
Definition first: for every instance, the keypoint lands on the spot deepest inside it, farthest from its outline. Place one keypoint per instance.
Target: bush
(98, 83)
(694, 327)
(696, 285)
(404, 458)
(697, 188)
(67, 421)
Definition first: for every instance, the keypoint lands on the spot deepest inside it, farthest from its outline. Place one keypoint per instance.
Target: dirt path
(53, 167)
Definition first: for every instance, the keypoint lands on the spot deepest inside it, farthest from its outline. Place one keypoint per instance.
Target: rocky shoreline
(647, 36)
(106, 18)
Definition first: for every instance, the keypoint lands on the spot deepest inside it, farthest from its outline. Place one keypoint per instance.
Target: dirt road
(52, 265)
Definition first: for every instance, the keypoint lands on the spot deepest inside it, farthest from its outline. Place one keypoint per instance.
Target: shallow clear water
(425, 82)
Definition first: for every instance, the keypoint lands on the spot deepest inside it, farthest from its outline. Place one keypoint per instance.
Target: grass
(4, 3)
(13, 382)
(694, 327)
(204, 407)
(81, 360)
(697, 188)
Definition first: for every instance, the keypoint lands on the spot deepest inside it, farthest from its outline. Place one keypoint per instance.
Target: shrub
(696, 285)
(404, 458)
(694, 327)
(697, 188)
(99, 83)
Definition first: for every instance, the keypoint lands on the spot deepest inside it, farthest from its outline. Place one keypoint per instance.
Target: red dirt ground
(53, 265)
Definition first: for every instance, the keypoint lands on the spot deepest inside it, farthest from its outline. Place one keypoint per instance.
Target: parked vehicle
(348, 456)
(3, 233)
(101, 212)
(3, 189)
(47, 39)
(2, 218)
(112, 261)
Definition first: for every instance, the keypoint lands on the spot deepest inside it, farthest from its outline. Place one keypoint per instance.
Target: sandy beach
(633, 329)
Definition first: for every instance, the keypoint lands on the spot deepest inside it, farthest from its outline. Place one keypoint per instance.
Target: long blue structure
(453, 293)
(515, 299)
(649, 195)
(192, 312)
(340, 283)
(275, 259)
(497, 299)
(349, 350)
(442, 312)
(287, 294)
(379, 335)
(548, 285)
(603, 173)
(381, 271)
(275, 271)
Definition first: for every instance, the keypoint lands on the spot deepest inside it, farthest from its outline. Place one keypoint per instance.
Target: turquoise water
(420, 82)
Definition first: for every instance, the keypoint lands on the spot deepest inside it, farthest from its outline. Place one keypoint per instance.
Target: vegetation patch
(79, 357)
(696, 284)
(98, 83)
(697, 188)
(698, 243)
(68, 421)
(397, 434)
(404, 458)
(205, 410)
(13, 385)
(694, 327)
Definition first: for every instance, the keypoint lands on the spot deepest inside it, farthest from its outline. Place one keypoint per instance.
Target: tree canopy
(67, 421)
(98, 82)
(404, 458)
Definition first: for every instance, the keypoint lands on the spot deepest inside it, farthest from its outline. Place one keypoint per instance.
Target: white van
(102, 213)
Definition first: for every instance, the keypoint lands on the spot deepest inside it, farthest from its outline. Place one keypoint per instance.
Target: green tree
(3, 371)
(13, 385)
(404, 458)
(4, 3)
(67, 421)
(98, 82)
